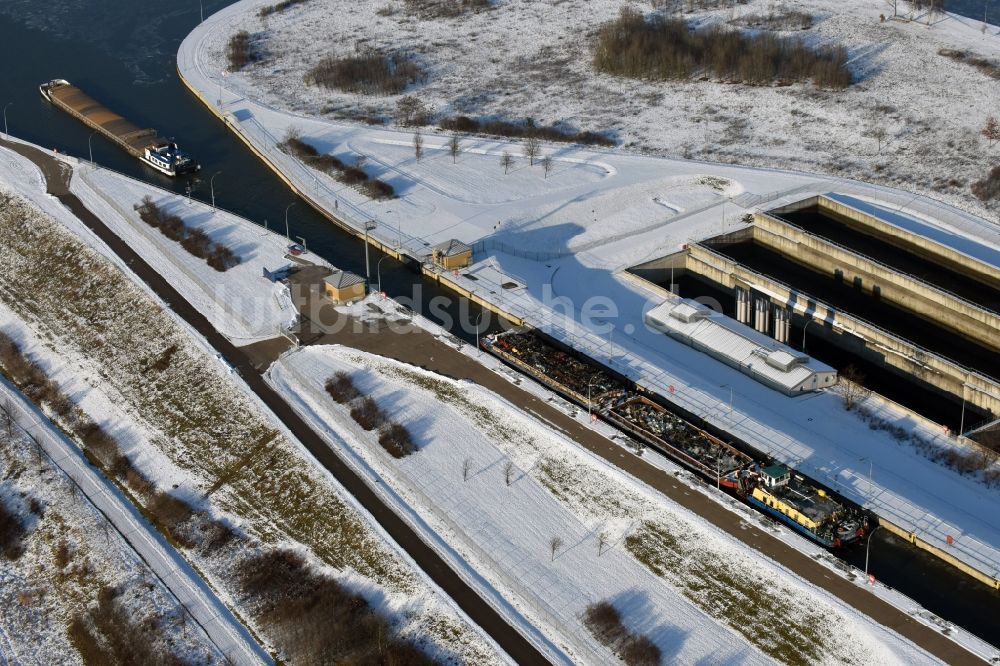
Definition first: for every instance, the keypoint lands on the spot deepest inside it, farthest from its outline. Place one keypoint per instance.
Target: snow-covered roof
(740, 346)
(342, 279)
(452, 247)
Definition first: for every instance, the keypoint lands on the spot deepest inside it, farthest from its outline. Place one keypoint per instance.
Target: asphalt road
(501, 631)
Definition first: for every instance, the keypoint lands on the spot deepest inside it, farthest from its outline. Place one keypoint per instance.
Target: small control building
(451, 254)
(344, 287)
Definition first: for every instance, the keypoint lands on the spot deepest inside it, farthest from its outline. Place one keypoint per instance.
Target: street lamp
(869, 471)
(479, 350)
(305, 248)
(730, 387)
(369, 225)
(378, 272)
(211, 185)
(201, 10)
(6, 134)
(809, 321)
(868, 546)
(287, 234)
(90, 146)
(590, 403)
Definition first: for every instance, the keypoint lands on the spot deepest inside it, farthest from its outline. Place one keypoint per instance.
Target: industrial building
(344, 287)
(753, 353)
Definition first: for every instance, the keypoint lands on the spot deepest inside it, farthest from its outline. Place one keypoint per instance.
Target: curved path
(430, 561)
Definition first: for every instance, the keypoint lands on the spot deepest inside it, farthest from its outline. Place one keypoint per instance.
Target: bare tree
(418, 145)
(466, 468)
(602, 541)
(852, 387)
(454, 147)
(555, 543)
(508, 472)
(506, 161)
(876, 125)
(991, 130)
(9, 422)
(547, 165)
(531, 148)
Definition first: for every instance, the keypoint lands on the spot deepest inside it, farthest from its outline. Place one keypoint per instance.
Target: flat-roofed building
(752, 352)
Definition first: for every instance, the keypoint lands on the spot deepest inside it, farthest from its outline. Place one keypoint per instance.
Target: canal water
(123, 53)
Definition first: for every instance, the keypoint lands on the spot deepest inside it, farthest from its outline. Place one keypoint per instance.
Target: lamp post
(961, 423)
(479, 350)
(305, 248)
(369, 225)
(804, 333)
(730, 387)
(201, 10)
(90, 147)
(211, 185)
(287, 234)
(378, 272)
(590, 403)
(6, 134)
(868, 546)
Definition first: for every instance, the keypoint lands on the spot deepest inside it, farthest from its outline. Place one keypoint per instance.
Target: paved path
(222, 627)
(521, 649)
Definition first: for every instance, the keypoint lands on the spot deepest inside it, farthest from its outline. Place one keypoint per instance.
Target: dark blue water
(123, 53)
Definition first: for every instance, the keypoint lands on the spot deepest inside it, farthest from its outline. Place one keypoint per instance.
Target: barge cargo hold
(143, 144)
(772, 489)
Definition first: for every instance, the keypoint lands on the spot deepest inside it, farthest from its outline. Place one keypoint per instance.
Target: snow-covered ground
(567, 238)
(241, 304)
(82, 536)
(533, 60)
(295, 503)
(556, 490)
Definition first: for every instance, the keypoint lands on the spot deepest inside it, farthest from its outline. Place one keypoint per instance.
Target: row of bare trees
(532, 149)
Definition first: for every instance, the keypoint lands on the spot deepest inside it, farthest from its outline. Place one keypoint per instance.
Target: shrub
(369, 72)
(467, 125)
(377, 189)
(194, 240)
(12, 533)
(988, 67)
(349, 175)
(661, 48)
(640, 651)
(445, 8)
(397, 441)
(367, 414)
(341, 388)
(314, 619)
(784, 20)
(278, 7)
(238, 51)
(989, 187)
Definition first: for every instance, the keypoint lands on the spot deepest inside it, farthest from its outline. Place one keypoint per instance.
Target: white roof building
(751, 352)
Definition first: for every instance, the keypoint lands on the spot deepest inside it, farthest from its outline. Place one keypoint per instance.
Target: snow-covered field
(71, 552)
(189, 423)
(674, 579)
(533, 60)
(567, 238)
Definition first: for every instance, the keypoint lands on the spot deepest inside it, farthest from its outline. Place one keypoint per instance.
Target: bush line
(192, 239)
(349, 175)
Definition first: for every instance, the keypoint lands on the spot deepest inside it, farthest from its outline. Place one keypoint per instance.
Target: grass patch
(239, 51)
(664, 48)
(199, 421)
(788, 19)
(430, 9)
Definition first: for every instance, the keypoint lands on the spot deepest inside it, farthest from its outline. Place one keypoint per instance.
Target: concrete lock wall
(854, 334)
(963, 317)
(916, 243)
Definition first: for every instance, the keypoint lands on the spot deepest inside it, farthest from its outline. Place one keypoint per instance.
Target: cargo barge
(772, 489)
(143, 144)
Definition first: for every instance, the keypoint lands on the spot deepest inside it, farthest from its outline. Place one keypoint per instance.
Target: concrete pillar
(742, 305)
(782, 325)
(762, 312)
